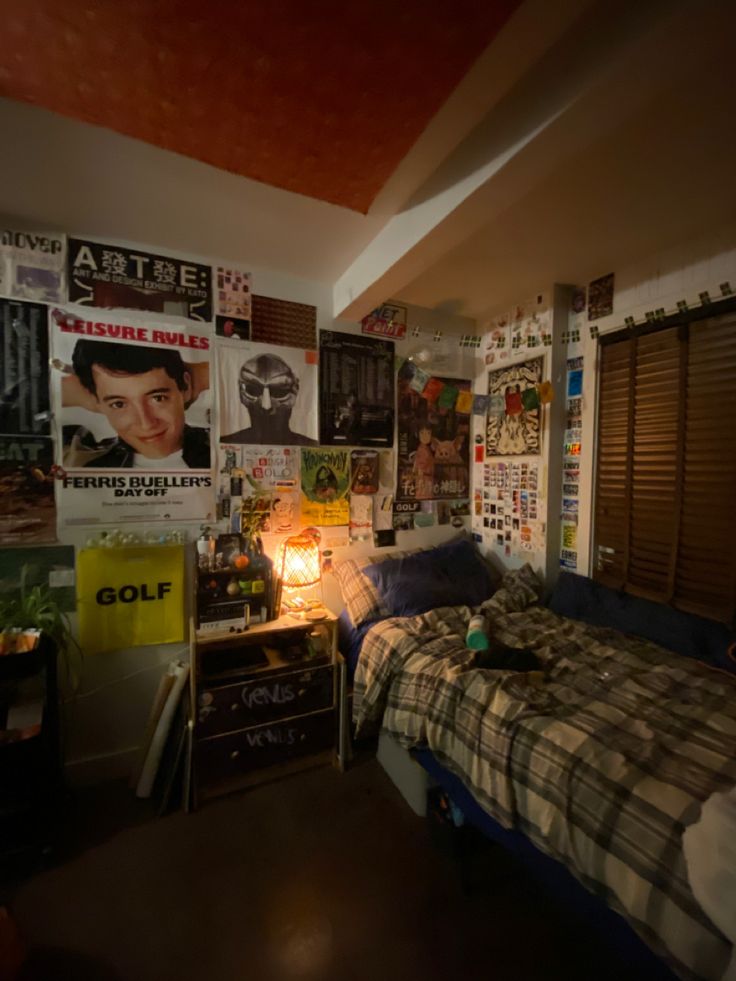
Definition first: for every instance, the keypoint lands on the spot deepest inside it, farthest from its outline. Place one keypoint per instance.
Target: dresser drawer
(265, 698)
(223, 757)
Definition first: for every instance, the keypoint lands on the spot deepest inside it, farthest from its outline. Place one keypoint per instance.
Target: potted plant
(24, 617)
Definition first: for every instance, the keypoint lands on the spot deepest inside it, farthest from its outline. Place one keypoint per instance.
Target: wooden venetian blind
(665, 508)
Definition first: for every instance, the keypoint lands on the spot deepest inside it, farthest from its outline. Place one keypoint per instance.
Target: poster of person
(325, 487)
(27, 507)
(24, 368)
(132, 411)
(233, 293)
(32, 265)
(433, 458)
(511, 428)
(356, 390)
(276, 471)
(233, 328)
(268, 395)
(110, 276)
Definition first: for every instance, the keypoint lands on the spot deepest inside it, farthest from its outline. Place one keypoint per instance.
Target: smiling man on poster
(143, 392)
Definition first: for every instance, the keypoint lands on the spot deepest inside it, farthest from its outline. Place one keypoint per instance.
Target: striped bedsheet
(602, 760)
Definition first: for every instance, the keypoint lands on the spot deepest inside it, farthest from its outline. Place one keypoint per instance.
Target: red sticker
(310, 357)
(479, 454)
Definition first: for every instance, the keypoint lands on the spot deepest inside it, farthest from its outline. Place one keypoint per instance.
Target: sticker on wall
(232, 328)
(111, 276)
(129, 597)
(325, 478)
(356, 390)
(33, 265)
(132, 407)
(388, 320)
(268, 395)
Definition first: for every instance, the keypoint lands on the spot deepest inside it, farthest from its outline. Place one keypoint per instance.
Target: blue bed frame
(639, 961)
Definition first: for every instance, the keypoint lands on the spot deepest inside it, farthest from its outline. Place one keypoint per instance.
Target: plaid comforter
(601, 761)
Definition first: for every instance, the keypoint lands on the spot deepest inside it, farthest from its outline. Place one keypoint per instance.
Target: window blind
(665, 488)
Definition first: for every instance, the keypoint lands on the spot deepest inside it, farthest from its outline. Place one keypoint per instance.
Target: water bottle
(477, 636)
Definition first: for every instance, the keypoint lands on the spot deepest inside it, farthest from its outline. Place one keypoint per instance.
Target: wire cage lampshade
(298, 562)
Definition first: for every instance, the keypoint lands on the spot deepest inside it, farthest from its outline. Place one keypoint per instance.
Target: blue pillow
(449, 575)
(584, 599)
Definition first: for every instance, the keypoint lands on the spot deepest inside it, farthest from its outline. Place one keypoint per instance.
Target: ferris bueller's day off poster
(132, 411)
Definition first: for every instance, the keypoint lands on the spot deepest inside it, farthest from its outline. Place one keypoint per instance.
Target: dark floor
(320, 875)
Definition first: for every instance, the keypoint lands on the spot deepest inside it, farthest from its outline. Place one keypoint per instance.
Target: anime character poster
(32, 265)
(512, 429)
(268, 395)
(356, 390)
(433, 458)
(110, 276)
(132, 414)
(325, 486)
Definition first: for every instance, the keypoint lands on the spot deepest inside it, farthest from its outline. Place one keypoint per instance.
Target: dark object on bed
(611, 929)
(499, 657)
(580, 598)
(449, 575)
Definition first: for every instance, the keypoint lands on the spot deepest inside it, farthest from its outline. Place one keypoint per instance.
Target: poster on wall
(32, 265)
(233, 293)
(268, 395)
(274, 470)
(24, 368)
(325, 487)
(356, 390)
(132, 409)
(433, 457)
(130, 597)
(50, 566)
(27, 505)
(512, 429)
(111, 276)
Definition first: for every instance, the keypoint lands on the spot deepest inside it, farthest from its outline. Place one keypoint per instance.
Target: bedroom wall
(106, 718)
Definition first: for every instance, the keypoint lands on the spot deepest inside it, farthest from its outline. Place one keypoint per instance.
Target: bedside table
(264, 703)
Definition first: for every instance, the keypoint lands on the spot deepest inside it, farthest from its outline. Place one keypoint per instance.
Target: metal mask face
(268, 388)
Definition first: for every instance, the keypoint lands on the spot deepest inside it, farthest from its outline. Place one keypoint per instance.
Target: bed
(600, 759)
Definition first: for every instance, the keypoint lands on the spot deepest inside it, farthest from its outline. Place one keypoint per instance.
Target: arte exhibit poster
(27, 505)
(24, 368)
(433, 458)
(33, 265)
(356, 390)
(130, 597)
(111, 276)
(268, 395)
(325, 487)
(511, 428)
(132, 412)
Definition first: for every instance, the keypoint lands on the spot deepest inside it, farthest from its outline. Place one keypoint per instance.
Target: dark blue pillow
(584, 599)
(449, 575)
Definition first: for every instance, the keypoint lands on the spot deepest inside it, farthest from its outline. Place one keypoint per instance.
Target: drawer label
(272, 737)
(274, 694)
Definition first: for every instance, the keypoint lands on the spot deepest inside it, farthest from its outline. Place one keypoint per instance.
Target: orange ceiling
(322, 97)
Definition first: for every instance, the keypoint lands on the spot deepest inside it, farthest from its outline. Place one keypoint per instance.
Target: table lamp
(298, 567)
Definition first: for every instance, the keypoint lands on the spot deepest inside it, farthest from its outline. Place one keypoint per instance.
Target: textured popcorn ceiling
(321, 97)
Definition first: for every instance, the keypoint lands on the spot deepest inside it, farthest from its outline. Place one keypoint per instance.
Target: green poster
(325, 485)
